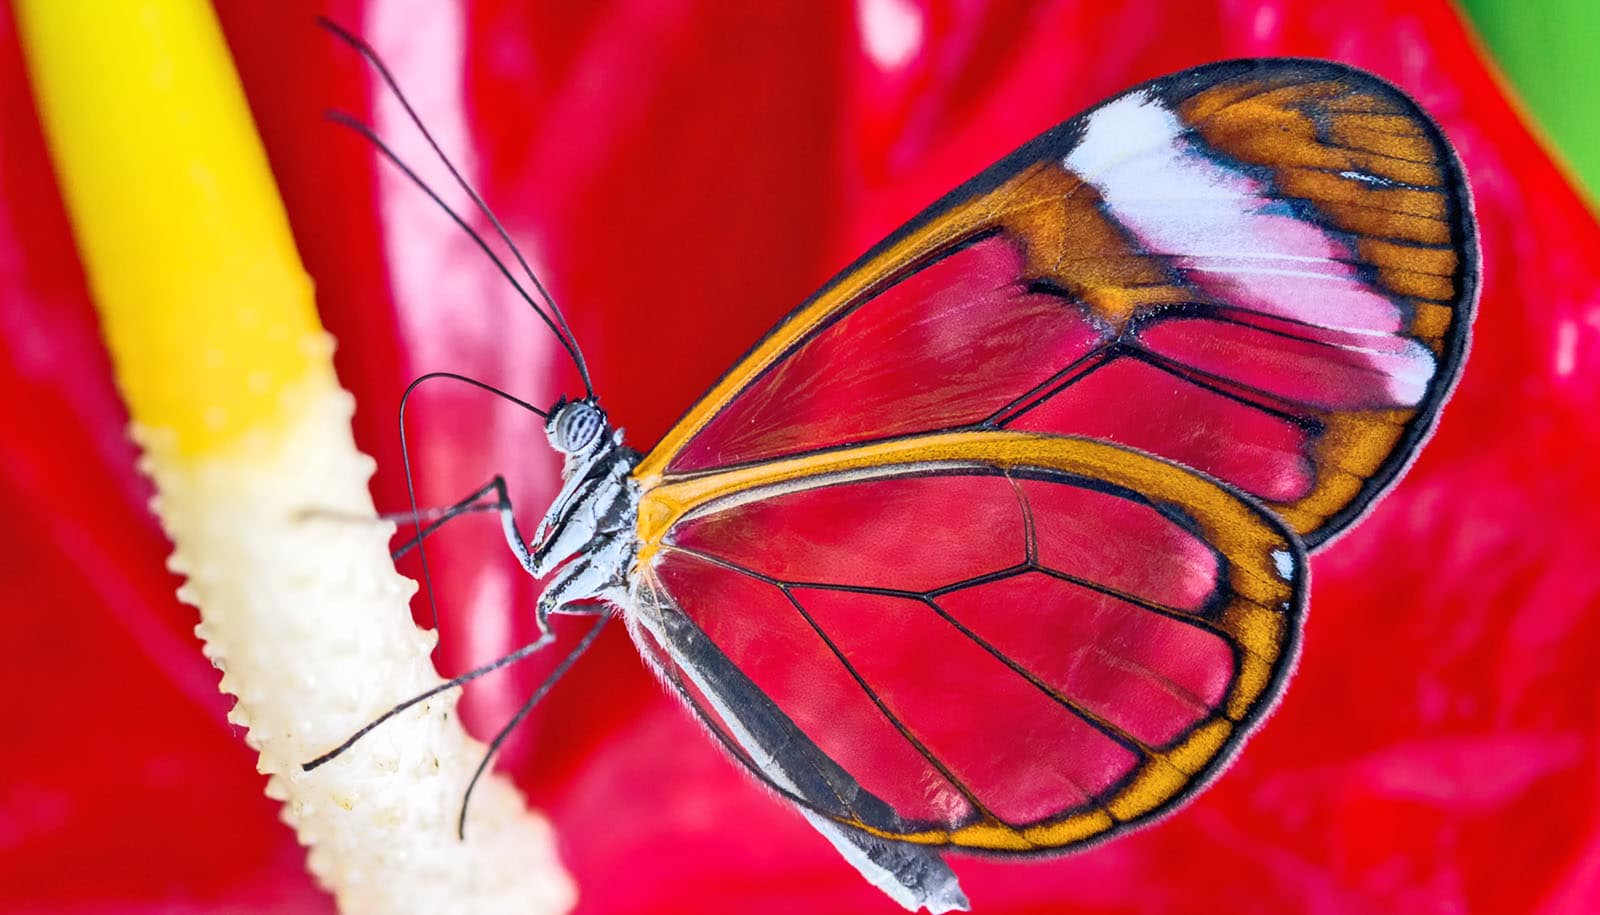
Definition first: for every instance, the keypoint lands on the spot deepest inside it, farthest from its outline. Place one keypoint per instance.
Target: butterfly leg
(469, 505)
(533, 699)
(596, 573)
(592, 522)
(514, 540)
(544, 641)
(475, 503)
(575, 578)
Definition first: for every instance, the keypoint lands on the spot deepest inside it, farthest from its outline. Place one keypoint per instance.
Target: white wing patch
(1283, 560)
(1231, 238)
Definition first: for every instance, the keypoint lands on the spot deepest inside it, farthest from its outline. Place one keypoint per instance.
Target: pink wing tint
(1263, 270)
(920, 651)
(948, 346)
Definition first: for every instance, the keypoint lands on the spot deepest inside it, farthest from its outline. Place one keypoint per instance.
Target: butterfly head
(576, 427)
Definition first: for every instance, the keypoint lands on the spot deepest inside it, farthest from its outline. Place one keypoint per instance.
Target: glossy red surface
(685, 173)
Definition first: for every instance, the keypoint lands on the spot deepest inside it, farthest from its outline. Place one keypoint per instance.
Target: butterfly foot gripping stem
(478, 501)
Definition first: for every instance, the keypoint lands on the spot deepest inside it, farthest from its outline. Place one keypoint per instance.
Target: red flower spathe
(683, 174)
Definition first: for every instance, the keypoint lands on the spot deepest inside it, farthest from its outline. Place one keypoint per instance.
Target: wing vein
(1105, 727)
(884, 710)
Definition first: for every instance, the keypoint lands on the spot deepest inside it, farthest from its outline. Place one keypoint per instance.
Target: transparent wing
(983, 640)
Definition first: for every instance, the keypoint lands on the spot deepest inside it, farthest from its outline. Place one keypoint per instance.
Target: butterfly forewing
(1264, 270)
(949, 345)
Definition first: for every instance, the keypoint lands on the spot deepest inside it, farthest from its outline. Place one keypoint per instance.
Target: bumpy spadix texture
(305, 616)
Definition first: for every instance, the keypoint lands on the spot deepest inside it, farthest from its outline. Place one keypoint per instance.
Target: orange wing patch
(1373, 169)
(1072, 243)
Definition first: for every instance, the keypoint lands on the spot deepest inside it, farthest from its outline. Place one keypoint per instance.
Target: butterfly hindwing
(985, 640)
(1264, 270)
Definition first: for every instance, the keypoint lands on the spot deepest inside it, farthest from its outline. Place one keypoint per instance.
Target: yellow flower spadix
(229, 381)
(204, 303)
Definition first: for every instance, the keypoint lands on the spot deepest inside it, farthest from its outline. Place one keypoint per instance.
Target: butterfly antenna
(533, 700)
(565, 333)
(348, 121)
(405, 463)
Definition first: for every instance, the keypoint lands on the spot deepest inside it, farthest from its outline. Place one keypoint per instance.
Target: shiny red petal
(687, 173)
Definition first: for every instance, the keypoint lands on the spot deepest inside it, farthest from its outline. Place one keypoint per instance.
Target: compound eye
(578, 426)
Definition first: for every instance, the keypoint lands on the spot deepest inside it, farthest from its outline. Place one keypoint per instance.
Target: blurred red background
(683, 173)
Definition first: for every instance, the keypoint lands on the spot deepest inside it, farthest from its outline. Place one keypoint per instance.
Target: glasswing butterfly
(998, 543)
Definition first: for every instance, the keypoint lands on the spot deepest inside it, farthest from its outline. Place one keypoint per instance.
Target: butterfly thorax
(588, 537)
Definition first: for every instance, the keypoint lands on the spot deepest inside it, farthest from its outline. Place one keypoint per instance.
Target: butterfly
(998, 543)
